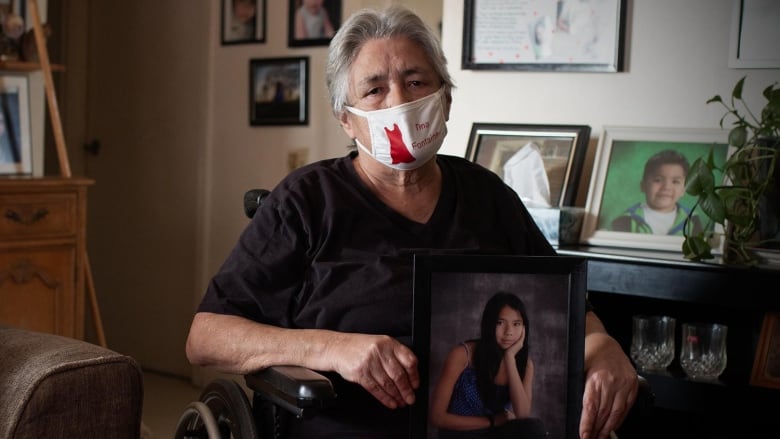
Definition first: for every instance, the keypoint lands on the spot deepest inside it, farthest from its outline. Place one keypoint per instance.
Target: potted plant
(749, 174)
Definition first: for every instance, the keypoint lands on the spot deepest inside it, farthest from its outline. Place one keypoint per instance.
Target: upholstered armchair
(53, 386)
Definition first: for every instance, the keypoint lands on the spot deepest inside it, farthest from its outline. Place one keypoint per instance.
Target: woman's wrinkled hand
(382, 365)
(611, 386)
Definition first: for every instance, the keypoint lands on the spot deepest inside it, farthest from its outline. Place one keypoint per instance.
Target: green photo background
(627, 163)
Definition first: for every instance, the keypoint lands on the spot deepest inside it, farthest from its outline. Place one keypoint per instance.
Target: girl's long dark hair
(488, 354)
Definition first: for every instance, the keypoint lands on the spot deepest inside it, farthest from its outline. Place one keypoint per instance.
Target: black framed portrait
(453, 296)
(279, 91)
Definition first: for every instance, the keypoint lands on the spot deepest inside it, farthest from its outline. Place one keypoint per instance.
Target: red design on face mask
(398, 150)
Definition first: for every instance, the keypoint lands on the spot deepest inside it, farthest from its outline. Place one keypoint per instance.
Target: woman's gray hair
(368, 24)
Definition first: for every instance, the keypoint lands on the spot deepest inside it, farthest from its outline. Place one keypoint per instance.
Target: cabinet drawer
(37, 290)
(37, 215)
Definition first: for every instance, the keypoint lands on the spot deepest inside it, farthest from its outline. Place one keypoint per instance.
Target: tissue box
(561, 226)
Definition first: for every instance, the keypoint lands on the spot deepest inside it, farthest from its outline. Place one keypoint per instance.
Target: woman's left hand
(611, 386)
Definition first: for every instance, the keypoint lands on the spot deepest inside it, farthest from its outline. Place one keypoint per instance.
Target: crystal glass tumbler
(652, 342)
(703, 350)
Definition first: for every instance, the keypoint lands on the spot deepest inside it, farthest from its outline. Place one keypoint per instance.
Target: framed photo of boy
(313, 22)
(637, 196)
(457, 295)
(15, 143)
(243, 21)
(542, 163)
(279, 91)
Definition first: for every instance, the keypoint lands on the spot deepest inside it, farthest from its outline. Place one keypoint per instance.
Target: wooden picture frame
(766, 367)
(615, 193)
(450, 292)
(15, 129)
(308, 28)
(279, 91)
(503, 148)
(243, 21)
(545, 35)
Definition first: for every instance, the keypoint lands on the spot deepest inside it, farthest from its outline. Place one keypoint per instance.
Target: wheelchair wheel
(231, 409)
(197, 422)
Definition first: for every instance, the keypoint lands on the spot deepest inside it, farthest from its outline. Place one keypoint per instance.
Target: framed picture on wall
(637, 195)
(243, 21)
(15, 143)
(459, 298)
(313, 22)
(279, 91)
(543, 163)
(754, 34)
(545, 35)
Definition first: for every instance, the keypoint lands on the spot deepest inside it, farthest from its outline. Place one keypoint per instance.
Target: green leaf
(700, 178)
(738, 137)
(696, 248)
(715, 98)
(737, 93)
(712, 206)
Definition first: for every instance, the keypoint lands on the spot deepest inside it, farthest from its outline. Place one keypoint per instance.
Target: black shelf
(622, 283)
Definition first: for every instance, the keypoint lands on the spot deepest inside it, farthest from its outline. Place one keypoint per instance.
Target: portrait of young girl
(486, 386)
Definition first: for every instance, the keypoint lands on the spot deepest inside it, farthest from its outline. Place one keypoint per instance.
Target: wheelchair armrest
(296, 389)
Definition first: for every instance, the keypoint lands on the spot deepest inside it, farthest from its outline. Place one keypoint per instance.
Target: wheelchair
(281, 393)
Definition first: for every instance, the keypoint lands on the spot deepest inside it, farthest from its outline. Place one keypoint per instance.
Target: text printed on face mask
(426, 140)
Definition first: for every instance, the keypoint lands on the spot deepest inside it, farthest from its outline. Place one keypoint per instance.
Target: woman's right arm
(383, 366)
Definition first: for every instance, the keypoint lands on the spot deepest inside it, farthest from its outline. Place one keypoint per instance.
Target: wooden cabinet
(42, 254)
(624, 283)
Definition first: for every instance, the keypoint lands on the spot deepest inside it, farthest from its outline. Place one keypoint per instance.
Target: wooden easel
(62, 151)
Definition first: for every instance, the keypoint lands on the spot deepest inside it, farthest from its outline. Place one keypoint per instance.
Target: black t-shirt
(323, 252)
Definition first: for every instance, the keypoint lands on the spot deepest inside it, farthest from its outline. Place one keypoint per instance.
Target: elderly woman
(322, 276)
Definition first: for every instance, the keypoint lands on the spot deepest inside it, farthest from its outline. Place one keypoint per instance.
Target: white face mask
(406, 136)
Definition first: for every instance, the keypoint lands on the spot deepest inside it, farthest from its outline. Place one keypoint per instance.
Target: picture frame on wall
(542, 163)
(15, 129)
(313, 23)
(766, 367)
(243, 21)
(544, 35)
(754, 34)
(638, 186)
(279, 91)
(451, 293)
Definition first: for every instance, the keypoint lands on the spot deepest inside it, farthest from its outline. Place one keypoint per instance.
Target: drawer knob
(32, 219)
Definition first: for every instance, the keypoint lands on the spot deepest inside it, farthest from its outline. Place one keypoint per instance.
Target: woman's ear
(448, 96)
(346, 124)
